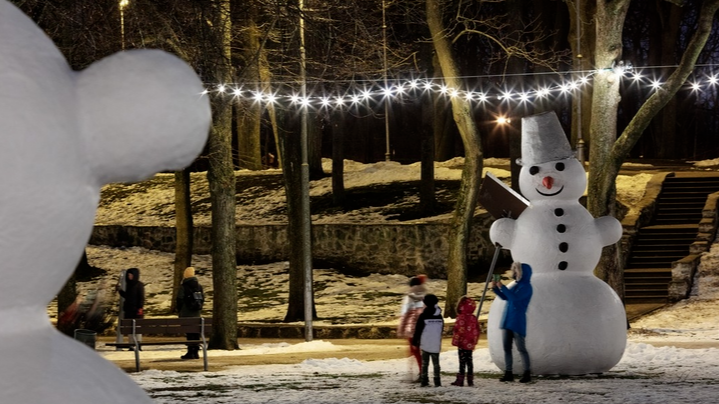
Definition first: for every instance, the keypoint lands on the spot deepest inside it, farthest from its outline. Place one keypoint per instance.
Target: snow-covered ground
(672, 355)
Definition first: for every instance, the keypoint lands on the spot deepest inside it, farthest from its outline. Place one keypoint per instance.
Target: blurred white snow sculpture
(63, 134)
(576, 323)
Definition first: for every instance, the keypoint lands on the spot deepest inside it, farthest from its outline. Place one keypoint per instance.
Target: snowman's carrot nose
(547, 182)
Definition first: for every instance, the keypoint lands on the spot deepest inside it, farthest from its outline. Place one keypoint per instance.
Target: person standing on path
(514, 319)
(189, 304)
(428, 337)
(412, 307)
(134, 295)
(465, 337)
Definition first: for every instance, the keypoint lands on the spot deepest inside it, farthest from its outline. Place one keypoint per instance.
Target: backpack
(194, 298)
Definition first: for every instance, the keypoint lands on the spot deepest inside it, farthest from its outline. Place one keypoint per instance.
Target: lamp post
(387, 154)
(123, 4)
(306, 232)
(580, 140)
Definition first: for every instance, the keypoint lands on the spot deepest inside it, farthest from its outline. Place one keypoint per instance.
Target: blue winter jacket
(517, 297)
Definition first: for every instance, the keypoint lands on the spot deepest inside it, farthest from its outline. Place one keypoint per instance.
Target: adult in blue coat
(514, 319)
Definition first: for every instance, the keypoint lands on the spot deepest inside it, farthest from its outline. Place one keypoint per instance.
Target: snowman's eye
(534, 170)
(559, 166)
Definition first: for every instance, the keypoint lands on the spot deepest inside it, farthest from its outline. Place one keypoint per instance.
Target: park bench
(164, 327)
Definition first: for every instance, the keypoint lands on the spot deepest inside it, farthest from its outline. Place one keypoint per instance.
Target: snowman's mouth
(547, 194)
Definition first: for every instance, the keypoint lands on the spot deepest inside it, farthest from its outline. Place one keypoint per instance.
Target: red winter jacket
(466, 327)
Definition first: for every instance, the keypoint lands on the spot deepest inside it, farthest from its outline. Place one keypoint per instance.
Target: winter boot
(470, 379)
(425, 381)
(195, 352)
(459, 381)
(437, 382)
(526, 377)
(191, 353)
(508, 377)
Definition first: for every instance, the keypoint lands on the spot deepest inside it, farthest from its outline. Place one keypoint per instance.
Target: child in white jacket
(428, 337)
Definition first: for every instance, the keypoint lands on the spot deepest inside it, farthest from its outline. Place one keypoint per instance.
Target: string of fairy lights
(368, 94)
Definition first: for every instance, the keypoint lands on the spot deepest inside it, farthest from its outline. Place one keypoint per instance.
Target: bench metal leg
(204, 354)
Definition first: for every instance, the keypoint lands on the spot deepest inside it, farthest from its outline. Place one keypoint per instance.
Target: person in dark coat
(514, 319)
(185, 296)
(134, 295)
(428, 337)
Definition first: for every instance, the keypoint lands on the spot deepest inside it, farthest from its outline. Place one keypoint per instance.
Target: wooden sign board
(499, 199)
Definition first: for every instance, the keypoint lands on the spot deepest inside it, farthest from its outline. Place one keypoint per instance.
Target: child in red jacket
(465, 337)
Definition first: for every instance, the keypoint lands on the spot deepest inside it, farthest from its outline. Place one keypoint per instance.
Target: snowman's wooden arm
(502, 232)
(609, 229)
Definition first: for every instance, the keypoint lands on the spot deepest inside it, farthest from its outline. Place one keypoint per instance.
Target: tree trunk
(607, 154)
(290, 150)
(667, 25)
(338, 166)
(183, 232)
(249, 111)
(469, 188)
(427, 197)
(609, 21)
(314, 132)
(221, 178)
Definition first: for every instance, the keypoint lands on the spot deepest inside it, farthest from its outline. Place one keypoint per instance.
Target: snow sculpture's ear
(141, 112)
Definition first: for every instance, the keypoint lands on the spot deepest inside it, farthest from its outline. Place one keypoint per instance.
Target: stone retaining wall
(401, 248)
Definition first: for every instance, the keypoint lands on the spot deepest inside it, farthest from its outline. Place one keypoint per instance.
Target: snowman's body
(576, 324)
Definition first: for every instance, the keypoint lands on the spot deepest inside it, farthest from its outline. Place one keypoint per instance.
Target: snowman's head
(63, 134)
(555, 180)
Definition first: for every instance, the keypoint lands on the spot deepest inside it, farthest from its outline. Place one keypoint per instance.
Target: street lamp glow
(503, 120)
(124, 3)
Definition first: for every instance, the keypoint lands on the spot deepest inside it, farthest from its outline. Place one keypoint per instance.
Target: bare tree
(221, 177)
(608, 151)
(184, 239)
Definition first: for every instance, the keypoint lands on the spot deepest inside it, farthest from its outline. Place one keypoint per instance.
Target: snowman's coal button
(563, 265)
(559, 212)
(563, 247)
(561, 228)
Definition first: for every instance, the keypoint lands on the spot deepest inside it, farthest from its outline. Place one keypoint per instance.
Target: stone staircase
(665, 252)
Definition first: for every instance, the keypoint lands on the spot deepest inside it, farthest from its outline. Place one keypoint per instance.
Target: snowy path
(645, 375)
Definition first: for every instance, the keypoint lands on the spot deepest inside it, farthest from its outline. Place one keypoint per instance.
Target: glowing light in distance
(695, 86)
(453, 93)
(713, 80)
(503, 120)
(221, 88)
(325, 102)
(366, 94)
(655, 84)
(294, 98)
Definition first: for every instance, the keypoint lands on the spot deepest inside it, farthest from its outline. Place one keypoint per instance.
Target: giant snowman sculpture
(63, 134)
(576, 323)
